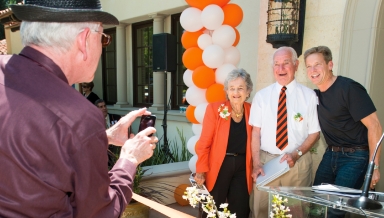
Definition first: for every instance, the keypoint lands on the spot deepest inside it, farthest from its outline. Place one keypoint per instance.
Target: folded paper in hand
(273, 169)
(200, 188)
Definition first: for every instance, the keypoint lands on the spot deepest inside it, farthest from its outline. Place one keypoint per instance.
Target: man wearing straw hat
(54, 159)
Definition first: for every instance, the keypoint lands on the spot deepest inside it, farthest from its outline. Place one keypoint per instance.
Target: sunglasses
(105, 38)
(85, 87)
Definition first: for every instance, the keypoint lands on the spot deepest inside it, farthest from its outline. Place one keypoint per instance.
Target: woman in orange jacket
(224, 148)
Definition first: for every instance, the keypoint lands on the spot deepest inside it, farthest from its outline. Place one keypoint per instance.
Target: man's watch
(300, 153)
(376, 167)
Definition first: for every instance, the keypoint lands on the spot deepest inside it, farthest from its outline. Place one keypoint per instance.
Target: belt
(348, 149)
(233, 154)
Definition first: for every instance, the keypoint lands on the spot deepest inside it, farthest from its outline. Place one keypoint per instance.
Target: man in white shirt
(292, 132)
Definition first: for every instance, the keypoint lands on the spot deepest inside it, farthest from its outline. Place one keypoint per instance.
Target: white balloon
(187, 78)
(192, 163)
(224, 36)
(232, 56)
(209, 32)
(222, 72)
(204, 41)
(196, 129)
(200, 112)
(213, 56)
(191, 144)
(190, 19)
(195, 96)
(212, 17)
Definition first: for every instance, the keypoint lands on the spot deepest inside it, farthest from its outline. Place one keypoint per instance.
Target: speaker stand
(165, 145)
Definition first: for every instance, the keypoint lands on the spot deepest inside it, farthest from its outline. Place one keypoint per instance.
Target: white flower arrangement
(208, 204)
(223, 112)
(278, 208)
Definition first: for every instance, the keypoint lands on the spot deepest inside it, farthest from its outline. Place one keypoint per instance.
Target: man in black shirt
(348, 121)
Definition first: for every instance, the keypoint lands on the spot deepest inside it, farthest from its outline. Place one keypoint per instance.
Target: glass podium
(303, 202)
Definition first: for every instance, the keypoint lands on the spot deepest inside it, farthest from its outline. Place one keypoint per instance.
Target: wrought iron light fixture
(285, 25)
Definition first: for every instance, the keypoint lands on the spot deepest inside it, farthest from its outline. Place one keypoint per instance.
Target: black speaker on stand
(164, 60)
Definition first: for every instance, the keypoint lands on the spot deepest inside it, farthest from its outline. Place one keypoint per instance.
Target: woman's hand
(200, 178)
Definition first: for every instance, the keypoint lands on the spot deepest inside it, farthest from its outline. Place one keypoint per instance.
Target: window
(178, 86)
(142, 64)
(109, 69)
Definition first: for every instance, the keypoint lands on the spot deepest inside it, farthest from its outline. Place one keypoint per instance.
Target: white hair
(239, 73)
(59, 36)
(286, 48)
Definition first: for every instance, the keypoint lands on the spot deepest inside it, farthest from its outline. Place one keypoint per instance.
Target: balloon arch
(210, 40)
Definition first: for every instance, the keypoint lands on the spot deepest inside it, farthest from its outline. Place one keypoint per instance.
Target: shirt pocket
(298, 120)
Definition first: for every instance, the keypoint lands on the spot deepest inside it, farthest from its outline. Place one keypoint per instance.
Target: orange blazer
(212, 145)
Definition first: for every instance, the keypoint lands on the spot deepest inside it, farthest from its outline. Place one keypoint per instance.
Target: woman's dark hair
(90, 85)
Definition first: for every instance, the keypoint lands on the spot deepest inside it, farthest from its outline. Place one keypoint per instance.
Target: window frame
(135, 28)
(180, 68)
(112, 32)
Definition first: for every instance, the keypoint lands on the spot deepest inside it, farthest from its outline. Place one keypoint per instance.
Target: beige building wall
(323, 24)
(353, 29)
(348, 28)
(14, 45)
(376, 88)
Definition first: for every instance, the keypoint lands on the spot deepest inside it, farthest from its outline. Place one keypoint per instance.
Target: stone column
(158, 77)
(121, 67)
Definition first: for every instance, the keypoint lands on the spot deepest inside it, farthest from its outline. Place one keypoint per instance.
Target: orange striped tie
(281, 130)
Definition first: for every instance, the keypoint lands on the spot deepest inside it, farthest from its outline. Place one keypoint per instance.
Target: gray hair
(98, 101)
(239, 73)
(60, 36)
(286, 48)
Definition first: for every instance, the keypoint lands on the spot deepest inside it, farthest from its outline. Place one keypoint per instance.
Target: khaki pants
(299, 176)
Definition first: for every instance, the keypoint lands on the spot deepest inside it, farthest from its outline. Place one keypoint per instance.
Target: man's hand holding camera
(135, 148)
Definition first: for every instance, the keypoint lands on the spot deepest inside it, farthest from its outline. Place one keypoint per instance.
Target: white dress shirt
(107, 122)
(300, 99)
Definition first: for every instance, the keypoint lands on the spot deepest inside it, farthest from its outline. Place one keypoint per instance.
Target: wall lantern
(285, 25)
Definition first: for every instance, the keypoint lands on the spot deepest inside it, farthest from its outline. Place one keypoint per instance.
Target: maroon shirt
(53, 146)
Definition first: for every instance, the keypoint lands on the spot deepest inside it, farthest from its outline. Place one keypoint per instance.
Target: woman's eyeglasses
(105, 38)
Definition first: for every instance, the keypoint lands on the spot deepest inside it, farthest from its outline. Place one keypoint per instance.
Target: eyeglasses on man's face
(105, 38)
(85, 87)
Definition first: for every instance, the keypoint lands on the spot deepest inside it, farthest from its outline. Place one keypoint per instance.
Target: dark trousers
(231, 186)
(342, 169)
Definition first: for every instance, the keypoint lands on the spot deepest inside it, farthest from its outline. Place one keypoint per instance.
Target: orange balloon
(200, 4)
(178, 194)
(203, 77)
(215, 93)
(193, 58)
(189, 39)
(220, 3)
(237, 37)
(233, 15)
(190, 114)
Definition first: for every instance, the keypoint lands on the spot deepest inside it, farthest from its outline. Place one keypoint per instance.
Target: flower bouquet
(278, 208)
(194, 197)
